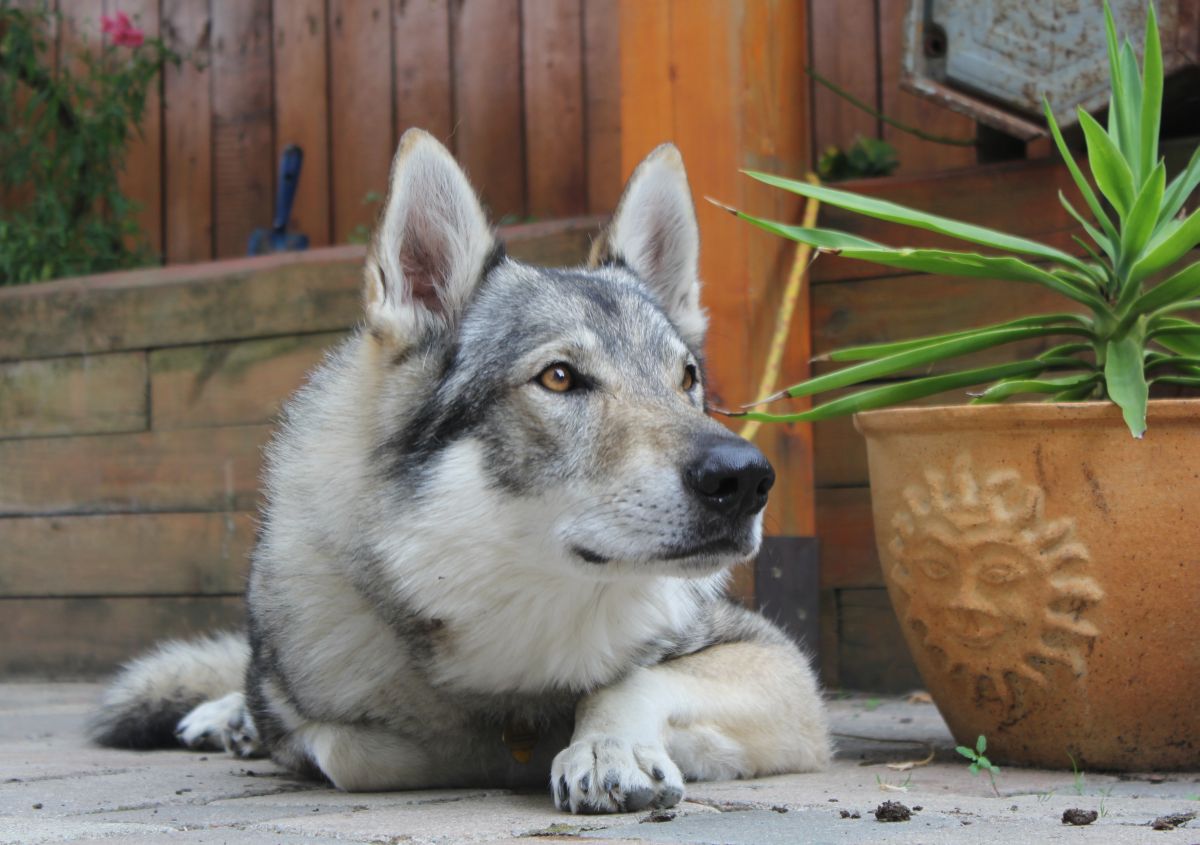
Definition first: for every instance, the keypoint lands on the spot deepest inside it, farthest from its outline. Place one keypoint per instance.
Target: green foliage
(978, 761)
(62, 141)
(866, 157)
(1131, 336)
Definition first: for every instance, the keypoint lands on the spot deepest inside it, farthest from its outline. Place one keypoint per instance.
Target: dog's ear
(430, 245)
(654, 233)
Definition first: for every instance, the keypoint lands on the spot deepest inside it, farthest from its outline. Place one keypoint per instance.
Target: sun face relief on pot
(992, 585)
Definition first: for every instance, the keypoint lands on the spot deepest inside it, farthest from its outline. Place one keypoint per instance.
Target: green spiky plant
(1135, 334)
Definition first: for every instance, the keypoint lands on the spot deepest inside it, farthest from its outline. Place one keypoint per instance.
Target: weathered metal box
(994, 59)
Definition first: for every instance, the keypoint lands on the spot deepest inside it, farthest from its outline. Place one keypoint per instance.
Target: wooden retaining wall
(133, 411)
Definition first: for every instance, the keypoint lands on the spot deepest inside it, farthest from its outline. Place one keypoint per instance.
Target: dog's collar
(520, 737)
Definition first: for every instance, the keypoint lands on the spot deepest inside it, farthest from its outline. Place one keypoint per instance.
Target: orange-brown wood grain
(488, 136)
(552, 57)
(844, 51)
(423, 70)
(602, 92)
(361, 140)
(300, 84)
(187, 129)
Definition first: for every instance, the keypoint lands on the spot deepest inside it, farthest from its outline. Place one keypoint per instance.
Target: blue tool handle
(289, 179)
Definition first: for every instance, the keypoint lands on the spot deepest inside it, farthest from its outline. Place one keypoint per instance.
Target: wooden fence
(525, 92)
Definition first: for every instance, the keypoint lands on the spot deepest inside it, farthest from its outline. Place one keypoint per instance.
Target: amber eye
(689, 378)
(557, 377)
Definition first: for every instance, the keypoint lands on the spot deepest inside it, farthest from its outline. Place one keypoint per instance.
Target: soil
(892, 811)
(1079, 817)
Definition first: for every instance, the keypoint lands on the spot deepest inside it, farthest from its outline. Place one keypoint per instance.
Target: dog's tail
(144, 703)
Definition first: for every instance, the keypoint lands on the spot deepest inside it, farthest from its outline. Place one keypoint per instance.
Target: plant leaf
(1105, 243)
(1109, 169)
(920, 357)
(1125, 379)
(981, 744)
(1139, 224)
(1169, 246)
(1152, 90)
(1181, 287)
(872, 351)
(1181, 188)
(894, 213)
(899, 392)
(1013, 387)
(1081, 182)
(966, 752)
(1130, 114)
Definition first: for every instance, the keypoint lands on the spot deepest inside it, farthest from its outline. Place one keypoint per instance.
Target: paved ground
(54, 787)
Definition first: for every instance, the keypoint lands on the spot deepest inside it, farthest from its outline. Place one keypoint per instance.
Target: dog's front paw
(612, 775)
(224, 723)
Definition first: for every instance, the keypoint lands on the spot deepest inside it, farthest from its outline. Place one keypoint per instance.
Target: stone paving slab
(54, 787)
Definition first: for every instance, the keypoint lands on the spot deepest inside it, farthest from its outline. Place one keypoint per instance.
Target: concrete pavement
(55, 787)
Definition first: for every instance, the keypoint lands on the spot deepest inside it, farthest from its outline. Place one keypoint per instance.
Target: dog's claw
(613, 775)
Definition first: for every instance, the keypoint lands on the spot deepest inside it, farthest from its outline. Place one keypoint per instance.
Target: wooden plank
(288, 293)
(844, 52)
(301, 78)
(243, 166)
(1019, 197)
(423, 69)
(915, 155)
(79, 34)
(602, 103)
(89, 637)
(125, 555)
(187, 128)
(213, 469)
(552, 56)
(141, 173)
(486, 38)
(849, 557)
(236, 383)
(775, 136)
(872, 654)
(647, 98)
(360, 89)
(90, 394)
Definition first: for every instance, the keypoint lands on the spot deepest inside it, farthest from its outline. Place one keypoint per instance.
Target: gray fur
(451, 552)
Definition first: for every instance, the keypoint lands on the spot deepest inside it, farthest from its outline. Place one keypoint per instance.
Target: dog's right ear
(430, 245)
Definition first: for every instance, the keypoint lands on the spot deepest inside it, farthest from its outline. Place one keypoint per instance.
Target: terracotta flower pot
(1045, 568)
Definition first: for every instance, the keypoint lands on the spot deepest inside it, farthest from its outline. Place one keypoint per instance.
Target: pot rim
(1020, 415)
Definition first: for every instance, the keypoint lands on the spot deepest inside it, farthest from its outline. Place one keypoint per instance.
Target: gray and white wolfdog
(497, 528)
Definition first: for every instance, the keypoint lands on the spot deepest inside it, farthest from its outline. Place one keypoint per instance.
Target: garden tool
(277, 238)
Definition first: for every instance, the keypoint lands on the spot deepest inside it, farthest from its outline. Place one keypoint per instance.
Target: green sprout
(978, 761)
(1122, 333)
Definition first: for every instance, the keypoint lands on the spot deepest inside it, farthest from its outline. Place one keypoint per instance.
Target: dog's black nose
(730, 476)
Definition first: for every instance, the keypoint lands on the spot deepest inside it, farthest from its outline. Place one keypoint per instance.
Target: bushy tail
(149, 696)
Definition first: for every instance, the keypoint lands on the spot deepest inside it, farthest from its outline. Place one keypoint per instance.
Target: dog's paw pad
(221, 724)
(612, 775)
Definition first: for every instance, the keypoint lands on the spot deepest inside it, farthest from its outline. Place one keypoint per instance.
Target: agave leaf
(1075, 394)
(894, 394)
(1114, 43)
(1125, 378)
(1152, 90)
(829, 240)
(1188, 381)
(1176, 334)
(870, 352)
(1112, 174)
(1181, 188)
(1172, 243)
(920, 357)
(1105, 243)
(1143, 216)
(1130, 114)
(1081, 182)
(1012, 387)
(1179, 288)
(890, 211)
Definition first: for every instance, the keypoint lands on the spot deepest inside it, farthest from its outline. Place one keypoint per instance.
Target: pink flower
(122, 30)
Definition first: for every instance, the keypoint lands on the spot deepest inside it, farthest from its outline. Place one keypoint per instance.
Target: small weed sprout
(1079, 776)
(978, 761)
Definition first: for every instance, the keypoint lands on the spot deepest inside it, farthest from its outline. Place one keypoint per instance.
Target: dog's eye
(558, 377)
(690, 377)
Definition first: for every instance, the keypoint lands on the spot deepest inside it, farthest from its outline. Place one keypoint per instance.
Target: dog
(496, 533)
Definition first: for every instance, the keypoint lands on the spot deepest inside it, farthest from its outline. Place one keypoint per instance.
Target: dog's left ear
(654, 232)
(430, 245)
